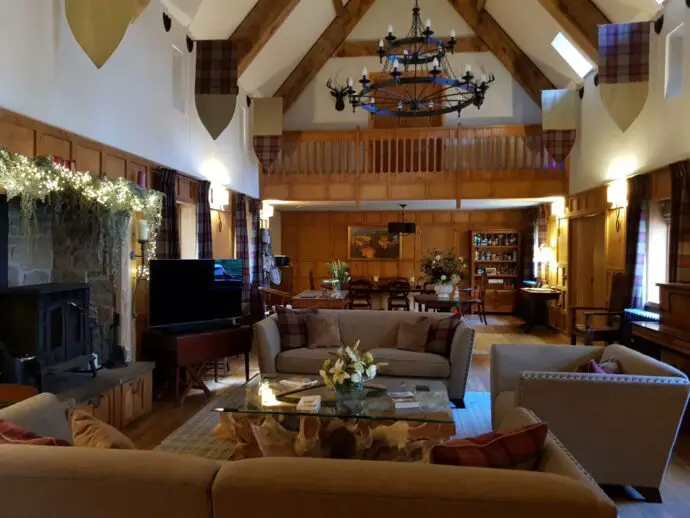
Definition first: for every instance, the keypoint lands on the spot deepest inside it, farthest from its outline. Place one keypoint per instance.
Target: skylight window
(570, 53)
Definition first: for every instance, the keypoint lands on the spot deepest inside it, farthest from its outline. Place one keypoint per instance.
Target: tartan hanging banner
(215, 85)
(679, 264)
(560, 113)
(624, 70)
(267, 148)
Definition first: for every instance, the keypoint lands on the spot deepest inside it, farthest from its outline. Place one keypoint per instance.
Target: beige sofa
(378, 332)
(622, 428)
(43, 481)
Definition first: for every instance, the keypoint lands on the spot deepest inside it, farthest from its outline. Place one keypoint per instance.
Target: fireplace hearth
(49, 322)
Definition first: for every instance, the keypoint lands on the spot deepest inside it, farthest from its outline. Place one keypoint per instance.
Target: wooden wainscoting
(311, 239)
(414, 163)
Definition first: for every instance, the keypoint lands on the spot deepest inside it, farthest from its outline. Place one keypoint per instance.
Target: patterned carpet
(194, 437)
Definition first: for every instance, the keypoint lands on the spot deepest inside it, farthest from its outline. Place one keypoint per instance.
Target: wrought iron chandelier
(411, 66)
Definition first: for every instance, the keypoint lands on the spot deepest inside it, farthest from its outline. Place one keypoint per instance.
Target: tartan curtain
(636, 239)
(242, 241)
(542, 227)
(257, 250)
(679, 263)
(203, 222)
(168, 245)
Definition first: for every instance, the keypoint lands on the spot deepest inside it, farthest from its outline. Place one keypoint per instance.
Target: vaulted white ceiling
(525, 21)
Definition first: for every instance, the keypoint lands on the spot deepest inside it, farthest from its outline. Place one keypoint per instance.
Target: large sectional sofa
(377, 331)
(42, 481)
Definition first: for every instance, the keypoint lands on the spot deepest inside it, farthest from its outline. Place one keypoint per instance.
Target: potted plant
(340, 272)
(444, 269)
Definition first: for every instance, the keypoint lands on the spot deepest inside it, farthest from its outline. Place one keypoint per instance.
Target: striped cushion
(292, 327)
(511, 449)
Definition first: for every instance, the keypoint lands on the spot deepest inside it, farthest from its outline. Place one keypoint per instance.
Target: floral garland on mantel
(110, 202)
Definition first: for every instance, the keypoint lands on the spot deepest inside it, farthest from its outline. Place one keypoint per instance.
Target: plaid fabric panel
(513, 449)
(528, 264)
(242, 241)
(441, 334)
(292, 327)
(203, 222)
(216, 68)
(638, 293)
(258, 276)
(168, 245)
(680, 223)
(267, 148)
(624, 53)
(542, 227)
(559, 143)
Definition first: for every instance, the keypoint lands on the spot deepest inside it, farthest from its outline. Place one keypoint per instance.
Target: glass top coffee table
(275, 395)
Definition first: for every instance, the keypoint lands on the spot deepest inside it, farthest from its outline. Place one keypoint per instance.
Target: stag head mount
(340, 92)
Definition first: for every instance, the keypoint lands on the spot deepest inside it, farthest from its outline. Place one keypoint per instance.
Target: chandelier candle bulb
(365, 72)
(390, 29)
(143, 230)
(435, 63)
(380, 44)
(468, 69)
(428, 23)
(350, 82)
(396, 65)
(452, 34)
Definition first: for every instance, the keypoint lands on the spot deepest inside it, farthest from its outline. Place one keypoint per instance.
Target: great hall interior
(262, 257)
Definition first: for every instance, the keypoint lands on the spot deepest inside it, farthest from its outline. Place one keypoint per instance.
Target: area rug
(195, 437)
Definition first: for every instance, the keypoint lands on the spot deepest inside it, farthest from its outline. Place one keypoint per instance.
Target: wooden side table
(11, 393)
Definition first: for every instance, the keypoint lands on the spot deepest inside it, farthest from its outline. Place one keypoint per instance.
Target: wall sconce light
(617, 196)
(558, 207)
(267, 210)
(142, 270)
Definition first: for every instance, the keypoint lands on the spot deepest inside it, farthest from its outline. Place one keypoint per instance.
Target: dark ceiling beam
(257, 28)
(523, 69)
(323, 50)
(580, 19)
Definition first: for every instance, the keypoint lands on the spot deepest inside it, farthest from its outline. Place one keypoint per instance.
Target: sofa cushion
(610, 366)
(292, 327)
(12, 434)
(412, 336)
(441, 334)
(91, 432)
(43, 414)
(322, 331)
(510, 449)
(504, 404)
(303, 361)
(410, 364)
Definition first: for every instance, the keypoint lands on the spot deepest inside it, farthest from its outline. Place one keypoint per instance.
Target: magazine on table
(403, 400)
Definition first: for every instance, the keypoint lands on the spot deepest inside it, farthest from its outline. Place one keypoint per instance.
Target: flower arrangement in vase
(349, 368)
(444, 269)
(340, 271)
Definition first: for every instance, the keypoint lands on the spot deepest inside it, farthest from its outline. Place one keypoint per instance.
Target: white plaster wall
(658, 137)
(127, 103)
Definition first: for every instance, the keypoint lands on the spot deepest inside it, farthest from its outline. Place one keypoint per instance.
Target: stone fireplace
(65, 253)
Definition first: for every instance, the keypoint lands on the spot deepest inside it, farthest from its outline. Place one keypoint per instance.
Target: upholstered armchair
(622, 428)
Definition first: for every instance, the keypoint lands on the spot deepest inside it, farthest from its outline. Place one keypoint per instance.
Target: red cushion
(512, 449)
(12, 434)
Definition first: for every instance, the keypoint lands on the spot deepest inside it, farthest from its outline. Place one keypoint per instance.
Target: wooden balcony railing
(415, 151)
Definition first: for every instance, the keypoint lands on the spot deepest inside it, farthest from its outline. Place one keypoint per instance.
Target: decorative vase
(348, 398)
(443, 290)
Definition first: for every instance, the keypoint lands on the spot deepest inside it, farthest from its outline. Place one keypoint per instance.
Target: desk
(316, 299)
(537, 312)
(188, 352)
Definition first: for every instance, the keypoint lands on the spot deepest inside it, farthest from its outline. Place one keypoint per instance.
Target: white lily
(444, 278)
(356, 377)
(371, 371)
(438, 257)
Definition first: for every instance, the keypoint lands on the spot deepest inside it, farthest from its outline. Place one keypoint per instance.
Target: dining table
(431, 301)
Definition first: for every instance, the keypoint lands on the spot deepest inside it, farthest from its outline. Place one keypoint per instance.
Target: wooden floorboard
(149, 431)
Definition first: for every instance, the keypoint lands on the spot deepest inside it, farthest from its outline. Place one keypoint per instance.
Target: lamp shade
(402, 228)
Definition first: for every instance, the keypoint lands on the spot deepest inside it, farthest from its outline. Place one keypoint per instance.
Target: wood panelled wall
(595, 246)
(311, 239)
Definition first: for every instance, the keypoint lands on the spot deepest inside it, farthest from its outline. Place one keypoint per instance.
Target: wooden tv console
(184, 354)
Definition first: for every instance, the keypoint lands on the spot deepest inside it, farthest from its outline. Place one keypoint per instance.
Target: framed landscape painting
(373, 243)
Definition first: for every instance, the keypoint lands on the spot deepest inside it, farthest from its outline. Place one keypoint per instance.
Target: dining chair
(478, 298)
(399, 295)
(360, 294)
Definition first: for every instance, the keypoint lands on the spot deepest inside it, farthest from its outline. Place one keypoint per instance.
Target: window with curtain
(659, 227)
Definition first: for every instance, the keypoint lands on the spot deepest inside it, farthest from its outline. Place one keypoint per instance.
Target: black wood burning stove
(49, 322)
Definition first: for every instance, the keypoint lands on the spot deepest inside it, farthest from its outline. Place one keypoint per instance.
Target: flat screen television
(193, 292)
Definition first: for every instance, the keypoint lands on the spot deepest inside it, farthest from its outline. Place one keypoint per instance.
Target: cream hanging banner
(99, 25)
(139, 7)
(624, 70)
(267, 115)
(560, 113)
(215, 86)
